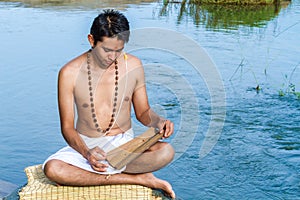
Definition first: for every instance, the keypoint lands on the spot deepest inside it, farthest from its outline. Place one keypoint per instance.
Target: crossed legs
(137, 172)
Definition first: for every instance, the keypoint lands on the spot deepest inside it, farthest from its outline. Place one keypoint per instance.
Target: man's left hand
(168, 128)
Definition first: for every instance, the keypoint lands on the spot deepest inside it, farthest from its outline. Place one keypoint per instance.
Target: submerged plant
(290, 89)
(293, 91)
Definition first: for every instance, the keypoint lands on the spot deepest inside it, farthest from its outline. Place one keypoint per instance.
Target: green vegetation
(288, 88)
(225, 16)
(239, 2)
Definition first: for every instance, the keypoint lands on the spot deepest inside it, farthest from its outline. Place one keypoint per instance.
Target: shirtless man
(102, 84)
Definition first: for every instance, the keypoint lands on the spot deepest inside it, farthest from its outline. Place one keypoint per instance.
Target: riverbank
(235, 2)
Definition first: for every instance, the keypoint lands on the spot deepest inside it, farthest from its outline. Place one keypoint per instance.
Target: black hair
(110, 23)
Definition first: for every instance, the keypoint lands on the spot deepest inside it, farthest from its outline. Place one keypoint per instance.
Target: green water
(252, 152)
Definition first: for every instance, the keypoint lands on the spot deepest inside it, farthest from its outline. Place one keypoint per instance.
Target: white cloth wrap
(107, 143)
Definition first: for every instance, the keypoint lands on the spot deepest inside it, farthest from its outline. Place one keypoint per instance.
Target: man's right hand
(95, 156)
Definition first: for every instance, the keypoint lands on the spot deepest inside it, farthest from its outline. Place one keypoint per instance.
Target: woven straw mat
(41, 188)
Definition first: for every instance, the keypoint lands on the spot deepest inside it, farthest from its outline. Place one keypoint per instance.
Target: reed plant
(289, 88)
(237, 2)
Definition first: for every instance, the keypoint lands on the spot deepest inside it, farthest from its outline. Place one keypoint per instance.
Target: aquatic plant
(236, 2)
(240, 67)
(288, 88)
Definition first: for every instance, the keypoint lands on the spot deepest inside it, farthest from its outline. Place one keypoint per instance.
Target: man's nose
(112, 55)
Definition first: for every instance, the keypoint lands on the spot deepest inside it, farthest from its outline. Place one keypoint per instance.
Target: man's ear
(91, 40)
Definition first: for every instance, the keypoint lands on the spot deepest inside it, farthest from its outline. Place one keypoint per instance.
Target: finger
(93, 161)
(97, 154)
(163, 130)
(100, 151)
(99, 169)
(99, 165)
(99, 157)
(169, 129)
(95, 158)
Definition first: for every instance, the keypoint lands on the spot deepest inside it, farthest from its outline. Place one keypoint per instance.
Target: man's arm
(66, 83)
(66, 109)
(143, 111)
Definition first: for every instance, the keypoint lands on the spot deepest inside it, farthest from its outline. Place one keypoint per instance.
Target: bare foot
(149, 180)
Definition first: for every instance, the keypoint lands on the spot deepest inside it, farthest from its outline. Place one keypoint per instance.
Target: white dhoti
(107, 143)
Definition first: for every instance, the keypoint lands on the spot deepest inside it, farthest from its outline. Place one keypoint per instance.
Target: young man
(103, 83)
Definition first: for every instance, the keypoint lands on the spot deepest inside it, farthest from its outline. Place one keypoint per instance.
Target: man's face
(107, 51)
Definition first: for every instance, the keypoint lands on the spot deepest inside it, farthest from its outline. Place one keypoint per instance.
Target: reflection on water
(223, 17)
(90, 4)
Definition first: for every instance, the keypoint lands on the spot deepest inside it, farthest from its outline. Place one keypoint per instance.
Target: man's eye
(110, 50)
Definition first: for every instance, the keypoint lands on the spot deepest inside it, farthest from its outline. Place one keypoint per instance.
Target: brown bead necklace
(92, 104)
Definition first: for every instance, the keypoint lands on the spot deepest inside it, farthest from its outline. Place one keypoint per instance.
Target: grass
(236, 2)
(288, 88)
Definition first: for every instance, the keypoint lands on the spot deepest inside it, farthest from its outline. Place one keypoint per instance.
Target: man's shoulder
(73, 66)
(133, 61)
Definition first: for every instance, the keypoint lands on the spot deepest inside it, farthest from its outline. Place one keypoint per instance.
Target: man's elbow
(144, 117)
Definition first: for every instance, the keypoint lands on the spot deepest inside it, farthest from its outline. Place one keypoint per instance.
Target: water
(257, 154)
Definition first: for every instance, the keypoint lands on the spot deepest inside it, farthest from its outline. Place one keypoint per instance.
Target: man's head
(110, 23)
